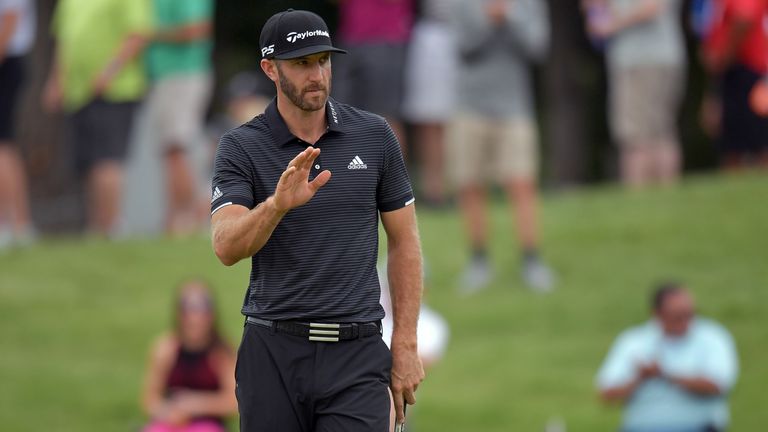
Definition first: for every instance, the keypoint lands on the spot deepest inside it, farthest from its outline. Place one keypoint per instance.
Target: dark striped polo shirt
(320, 262)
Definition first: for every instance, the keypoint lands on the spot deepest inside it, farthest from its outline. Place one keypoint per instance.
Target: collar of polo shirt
(280, 130)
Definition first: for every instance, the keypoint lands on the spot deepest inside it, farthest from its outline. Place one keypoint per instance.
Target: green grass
(76, 317)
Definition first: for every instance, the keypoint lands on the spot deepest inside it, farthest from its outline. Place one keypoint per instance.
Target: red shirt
(753, 52)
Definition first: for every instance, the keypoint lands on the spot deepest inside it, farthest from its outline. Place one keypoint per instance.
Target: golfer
(299, 190)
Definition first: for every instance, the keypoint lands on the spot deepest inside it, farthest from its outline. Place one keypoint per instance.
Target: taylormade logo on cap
(293, 36)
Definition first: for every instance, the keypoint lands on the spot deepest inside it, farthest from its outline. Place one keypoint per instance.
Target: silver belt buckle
(322, 332)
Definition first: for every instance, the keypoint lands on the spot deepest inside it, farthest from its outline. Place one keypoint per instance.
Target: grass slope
(77, 317)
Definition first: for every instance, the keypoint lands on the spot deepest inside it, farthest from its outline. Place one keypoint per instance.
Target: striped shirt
(320, 262)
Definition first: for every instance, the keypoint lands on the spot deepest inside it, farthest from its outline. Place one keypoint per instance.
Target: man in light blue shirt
(674, 372)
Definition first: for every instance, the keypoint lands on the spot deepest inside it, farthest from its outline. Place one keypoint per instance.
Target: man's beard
(297, 96)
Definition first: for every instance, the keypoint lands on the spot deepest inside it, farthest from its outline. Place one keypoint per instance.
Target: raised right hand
(294, 188)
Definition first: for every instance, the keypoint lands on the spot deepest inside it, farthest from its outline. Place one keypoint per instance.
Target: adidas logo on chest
(357, 164)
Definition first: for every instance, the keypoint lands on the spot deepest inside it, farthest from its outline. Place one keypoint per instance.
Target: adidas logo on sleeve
(216, 194)
(357, 164)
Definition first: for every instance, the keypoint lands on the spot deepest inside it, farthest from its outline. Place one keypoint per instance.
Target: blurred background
(645, 158)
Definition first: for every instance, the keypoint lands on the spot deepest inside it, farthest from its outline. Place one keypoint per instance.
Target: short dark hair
(663, 291)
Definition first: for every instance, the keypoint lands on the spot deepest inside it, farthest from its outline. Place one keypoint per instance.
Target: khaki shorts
(492, 150)
(177, 107)
(644, 103)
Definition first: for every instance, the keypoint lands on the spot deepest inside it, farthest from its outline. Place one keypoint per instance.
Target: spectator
(673, 373)
(248, 93)
(494, 135)
(17, 30)
(97, 79)
(702, 15)
(736, 57)
(190, 381)
(646, 71)
(430, 93)
(372, 30)
(179, 63)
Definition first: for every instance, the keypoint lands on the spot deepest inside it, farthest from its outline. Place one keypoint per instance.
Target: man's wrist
(404, 342)
(275, 212)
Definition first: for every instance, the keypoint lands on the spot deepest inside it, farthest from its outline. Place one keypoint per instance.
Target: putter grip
(401, 426)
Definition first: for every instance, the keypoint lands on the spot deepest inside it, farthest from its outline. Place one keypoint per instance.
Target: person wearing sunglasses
(190, 384)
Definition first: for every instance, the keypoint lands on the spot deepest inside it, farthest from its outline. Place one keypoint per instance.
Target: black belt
(321, 332)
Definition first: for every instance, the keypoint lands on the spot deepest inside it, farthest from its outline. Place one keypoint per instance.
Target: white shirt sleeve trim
(220, 207)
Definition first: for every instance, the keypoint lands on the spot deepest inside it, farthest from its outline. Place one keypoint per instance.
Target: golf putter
(401, 426)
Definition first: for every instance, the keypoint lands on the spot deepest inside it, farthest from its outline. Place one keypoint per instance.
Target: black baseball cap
(295, 33)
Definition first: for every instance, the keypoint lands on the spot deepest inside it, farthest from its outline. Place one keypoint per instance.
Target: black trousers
(289, 384)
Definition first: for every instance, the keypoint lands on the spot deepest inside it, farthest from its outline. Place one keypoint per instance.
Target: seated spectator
(674, 372)
(190, 382)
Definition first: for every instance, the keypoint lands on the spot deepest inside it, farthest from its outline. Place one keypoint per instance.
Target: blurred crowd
(458, 81)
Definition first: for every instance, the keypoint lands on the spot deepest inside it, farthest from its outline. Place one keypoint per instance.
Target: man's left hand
(407, 374)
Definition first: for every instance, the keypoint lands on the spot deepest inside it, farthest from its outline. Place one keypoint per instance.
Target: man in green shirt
(97, 78)
(179, 63)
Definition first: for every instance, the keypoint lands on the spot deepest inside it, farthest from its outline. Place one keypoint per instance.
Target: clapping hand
(648, 371)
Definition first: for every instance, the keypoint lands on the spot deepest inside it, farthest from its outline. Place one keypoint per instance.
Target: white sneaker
(477, 275)
(538, 276)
